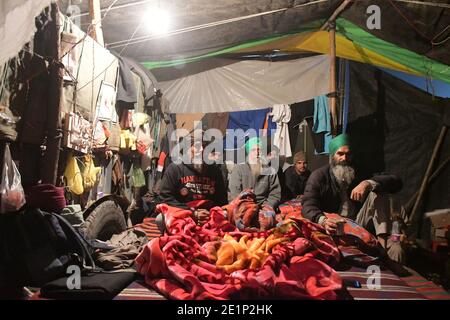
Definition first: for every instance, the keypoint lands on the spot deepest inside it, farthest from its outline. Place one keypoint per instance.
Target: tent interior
(239, 58)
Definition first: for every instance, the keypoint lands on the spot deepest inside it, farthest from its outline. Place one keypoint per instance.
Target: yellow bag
(74, 177)
(90, 173)
(127, 140)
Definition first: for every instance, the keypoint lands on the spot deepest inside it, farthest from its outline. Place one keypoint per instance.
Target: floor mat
(427, 288)
(149, 227)
(389, 287)
(139, 291)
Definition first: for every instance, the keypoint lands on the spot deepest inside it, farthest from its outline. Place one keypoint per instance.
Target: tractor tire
(105, 220)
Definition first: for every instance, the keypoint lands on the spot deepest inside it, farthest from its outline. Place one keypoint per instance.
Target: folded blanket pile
(219, 261)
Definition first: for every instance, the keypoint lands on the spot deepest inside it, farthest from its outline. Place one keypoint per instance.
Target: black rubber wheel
(105, 221)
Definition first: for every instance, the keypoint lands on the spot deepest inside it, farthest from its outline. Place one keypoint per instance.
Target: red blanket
(217, 261)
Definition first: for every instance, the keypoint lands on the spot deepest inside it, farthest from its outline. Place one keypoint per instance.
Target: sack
(12, 194)
(37, 247)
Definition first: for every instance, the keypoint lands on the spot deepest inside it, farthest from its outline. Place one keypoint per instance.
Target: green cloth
(414, 61)
(251, 143)
(337, 142)
(138, 177)
(361, 39)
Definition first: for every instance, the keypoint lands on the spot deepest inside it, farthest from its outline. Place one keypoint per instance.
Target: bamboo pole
(95, 14)
(332, 94)
(415, 217)
(336, 13)
(433, 176)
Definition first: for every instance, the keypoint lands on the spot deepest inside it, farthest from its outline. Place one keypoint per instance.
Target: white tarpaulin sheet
(249, 84)
(17, 25)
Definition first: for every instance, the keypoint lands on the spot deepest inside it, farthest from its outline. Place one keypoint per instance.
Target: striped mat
(427, 288)
(391, 286)
(139, 291)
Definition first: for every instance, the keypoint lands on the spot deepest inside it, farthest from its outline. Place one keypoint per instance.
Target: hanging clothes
(217, 121)
(269, 126)
(281, 114)
(189, 121)
(137, 85)
(318, 138)
(299, 111)
(322, 122)
(245, 120)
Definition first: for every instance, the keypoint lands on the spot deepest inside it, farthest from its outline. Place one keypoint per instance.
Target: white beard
(256, 168)
(344, 174)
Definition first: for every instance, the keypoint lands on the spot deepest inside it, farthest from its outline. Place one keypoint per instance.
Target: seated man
(295, 177)
(192, 180)
(252, 175)
(338, 188)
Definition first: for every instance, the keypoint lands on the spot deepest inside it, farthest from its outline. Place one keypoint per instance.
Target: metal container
(340, 228)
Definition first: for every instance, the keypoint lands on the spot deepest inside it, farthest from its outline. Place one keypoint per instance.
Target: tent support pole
(332, 96)
(95, 14)
(332, 93)
(53, 125)
(336, 13)
(414, 217)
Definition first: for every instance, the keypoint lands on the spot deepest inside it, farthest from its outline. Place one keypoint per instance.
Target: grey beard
(256, 168)
(344, 174)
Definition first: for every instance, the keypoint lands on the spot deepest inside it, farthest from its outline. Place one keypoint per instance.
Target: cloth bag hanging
(74, 177)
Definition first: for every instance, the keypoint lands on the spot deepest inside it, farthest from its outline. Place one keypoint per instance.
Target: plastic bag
(12, 194)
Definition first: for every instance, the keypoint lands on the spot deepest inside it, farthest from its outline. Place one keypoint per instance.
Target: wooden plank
(53, 125)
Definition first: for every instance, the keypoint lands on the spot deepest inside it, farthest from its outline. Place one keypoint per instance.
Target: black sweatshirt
(181, 184)
(322, 191)
(294, 183)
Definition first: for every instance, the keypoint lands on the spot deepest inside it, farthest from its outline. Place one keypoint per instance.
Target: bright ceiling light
(157, 21)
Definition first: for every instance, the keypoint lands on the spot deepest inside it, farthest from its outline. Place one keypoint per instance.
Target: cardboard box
(439, 218)
(440, 233)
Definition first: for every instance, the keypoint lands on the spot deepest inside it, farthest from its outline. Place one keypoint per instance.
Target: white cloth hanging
(17, 25)
(281, 115)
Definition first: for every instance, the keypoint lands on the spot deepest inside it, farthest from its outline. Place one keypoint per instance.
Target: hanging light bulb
(157, 21)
